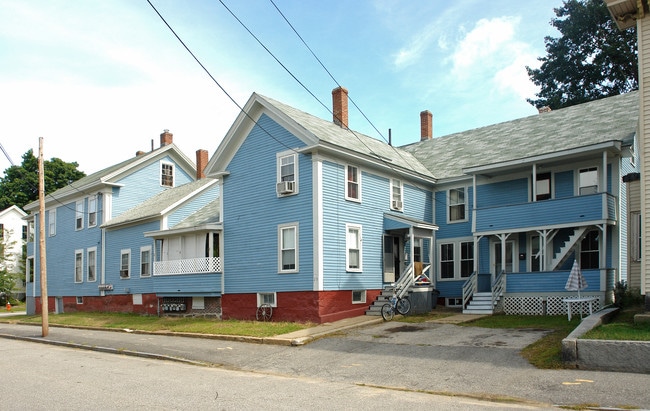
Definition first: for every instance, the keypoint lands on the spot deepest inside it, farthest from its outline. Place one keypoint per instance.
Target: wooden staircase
(481, 303)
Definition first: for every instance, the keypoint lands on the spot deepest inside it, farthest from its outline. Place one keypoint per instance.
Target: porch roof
(393, 221)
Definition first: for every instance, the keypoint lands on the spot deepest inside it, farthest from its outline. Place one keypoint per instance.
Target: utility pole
(41, 215)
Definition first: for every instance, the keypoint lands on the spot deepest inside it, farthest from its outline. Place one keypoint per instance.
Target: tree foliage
(19, 185)
(592, 59)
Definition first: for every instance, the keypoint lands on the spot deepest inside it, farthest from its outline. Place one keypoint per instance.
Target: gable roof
(160, 204)
(318, 135)
(611, 120)
(108, 176)
(13, 209)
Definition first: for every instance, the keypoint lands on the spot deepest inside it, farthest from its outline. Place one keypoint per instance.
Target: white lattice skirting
(545, 305)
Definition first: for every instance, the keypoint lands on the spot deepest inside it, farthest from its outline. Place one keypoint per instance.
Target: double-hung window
(635, 236)
(396, 198)
(79, 215)
(287, 174)
(166, 174)
(288, 248)
(145, 261)
(91, 264)
(589, 254)
(588, 180)
(78, 266)
(92, 211)
(542, 186)
(353, 247)
(51, 221)
(456, 204)
(125, 264)
(456, 260)
(352, 183)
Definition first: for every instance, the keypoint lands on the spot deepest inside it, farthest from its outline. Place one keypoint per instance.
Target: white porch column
(534, 183)
(604, 174)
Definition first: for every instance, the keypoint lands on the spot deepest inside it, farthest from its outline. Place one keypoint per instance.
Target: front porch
(539, 293)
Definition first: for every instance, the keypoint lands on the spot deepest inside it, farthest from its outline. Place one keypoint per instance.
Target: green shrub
(625, 296)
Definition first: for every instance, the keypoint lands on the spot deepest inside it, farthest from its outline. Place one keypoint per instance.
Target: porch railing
(469, 288)
(202, 265)
(498, 288)
(406, 280)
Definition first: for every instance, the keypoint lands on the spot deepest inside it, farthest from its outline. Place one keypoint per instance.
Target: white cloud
(484, 44)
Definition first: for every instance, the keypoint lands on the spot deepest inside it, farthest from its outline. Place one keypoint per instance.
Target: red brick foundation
(306, 306)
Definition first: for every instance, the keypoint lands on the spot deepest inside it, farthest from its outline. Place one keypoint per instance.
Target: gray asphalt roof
(328, 132)
(154, 206)
(209, 214)
(599, 121)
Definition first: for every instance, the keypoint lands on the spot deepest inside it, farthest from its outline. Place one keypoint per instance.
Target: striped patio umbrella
(576, 280)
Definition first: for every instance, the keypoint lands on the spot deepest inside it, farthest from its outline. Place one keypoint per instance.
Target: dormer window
(167, 174)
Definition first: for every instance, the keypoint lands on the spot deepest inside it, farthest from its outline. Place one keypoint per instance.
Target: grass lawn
(622, 327)
(199, 325)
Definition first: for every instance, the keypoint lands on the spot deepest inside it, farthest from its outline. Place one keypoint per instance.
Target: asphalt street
(436, 358)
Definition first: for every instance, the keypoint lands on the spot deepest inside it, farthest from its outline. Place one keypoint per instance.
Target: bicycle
(400, 305)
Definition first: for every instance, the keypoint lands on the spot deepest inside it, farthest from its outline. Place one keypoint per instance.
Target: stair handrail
(498, 287)
(469, 288)
(406, 280)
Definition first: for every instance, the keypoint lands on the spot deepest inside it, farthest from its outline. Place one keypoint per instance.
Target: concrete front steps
(481, 303)
(383, 298)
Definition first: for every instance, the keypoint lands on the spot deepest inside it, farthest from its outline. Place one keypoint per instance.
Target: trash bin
(434, 297)
(420, 299)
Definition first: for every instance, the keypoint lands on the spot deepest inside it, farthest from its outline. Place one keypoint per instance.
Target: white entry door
(497, 264)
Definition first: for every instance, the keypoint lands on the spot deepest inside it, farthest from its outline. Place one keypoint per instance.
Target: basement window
(358, 296)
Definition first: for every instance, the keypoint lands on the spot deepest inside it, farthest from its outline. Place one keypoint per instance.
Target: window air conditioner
(124, 273)
(286, 187)
(397, 205)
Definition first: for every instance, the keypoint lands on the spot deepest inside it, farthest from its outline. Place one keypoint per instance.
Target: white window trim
(80, 300)
(282, 227)
(363, 297)
(143, 249)
(51, 223)
(79, 279)
(92, 211)
(169, 163)
(88, 251)
(279, 157)
(464, 220)
(457, 242)
(347, 193)
(275, 299)
(358, 227)
(587, 168)
(128, 252)
(400, 200)
(79, 215)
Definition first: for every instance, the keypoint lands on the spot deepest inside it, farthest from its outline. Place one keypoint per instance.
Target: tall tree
(592, 58)
(19, 185)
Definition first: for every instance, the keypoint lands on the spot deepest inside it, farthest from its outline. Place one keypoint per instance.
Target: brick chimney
(201, 162)
(426, 125)
(340, 106)
(166, 138)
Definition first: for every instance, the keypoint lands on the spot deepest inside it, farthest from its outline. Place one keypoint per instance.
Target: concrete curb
(604, 355)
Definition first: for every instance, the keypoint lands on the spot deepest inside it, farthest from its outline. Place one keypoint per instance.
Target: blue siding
(564, 184)
(547, 282)
(131, 238)
(188, 284)
(253, 211)
(143, 184)
(502, 193)
(190, 207)
(452, 230)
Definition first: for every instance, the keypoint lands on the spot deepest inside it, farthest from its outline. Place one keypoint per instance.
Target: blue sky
(99, 80)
